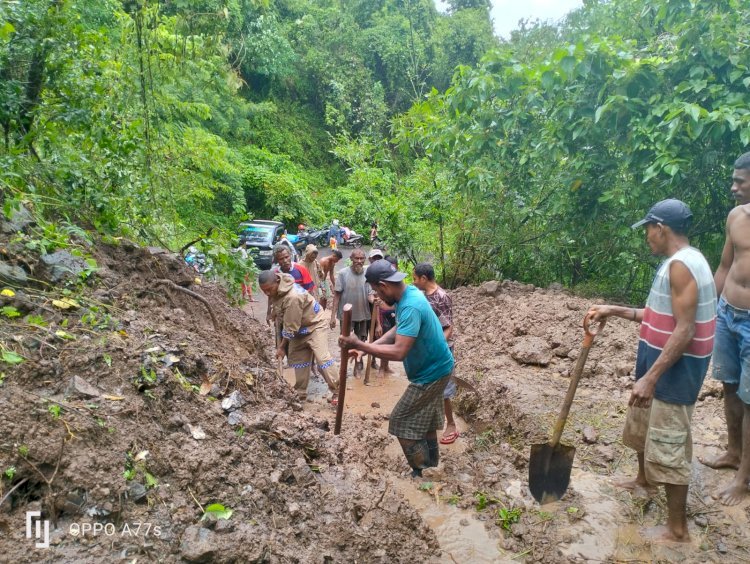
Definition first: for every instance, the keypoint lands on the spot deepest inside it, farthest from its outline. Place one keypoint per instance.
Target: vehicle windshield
(256, 233)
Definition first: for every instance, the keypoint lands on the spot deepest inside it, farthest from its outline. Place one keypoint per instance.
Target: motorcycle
(197, 261)
(355, 241)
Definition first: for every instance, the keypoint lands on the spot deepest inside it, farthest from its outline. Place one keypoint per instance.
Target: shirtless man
(327, 277)
(732, 350)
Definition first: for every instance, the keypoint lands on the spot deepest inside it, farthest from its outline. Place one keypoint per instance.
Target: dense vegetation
(524, 159)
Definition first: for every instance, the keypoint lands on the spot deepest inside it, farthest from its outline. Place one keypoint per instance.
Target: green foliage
(557, 142)
(218, 511)
(507, 517)
(10, 472)
(54, 410)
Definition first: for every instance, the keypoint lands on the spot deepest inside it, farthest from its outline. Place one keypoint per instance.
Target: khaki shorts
(662, 433)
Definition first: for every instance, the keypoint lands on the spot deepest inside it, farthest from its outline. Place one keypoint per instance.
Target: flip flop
(450, 438)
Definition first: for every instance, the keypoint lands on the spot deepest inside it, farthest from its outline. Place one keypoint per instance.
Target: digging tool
(279, 361)
(461, 383)
(346, 328)
(370, 337)
(550, 464)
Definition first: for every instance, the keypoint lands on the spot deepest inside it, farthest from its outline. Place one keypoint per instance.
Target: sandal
(450, 438)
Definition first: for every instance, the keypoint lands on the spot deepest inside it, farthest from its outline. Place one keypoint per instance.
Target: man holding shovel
(418, 341)
(674, 350)
(304, 329)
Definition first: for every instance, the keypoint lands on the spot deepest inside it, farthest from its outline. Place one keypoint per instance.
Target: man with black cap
(418, 341)
(674, 350)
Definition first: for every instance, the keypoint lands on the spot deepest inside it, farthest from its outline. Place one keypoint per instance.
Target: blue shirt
(429, 358)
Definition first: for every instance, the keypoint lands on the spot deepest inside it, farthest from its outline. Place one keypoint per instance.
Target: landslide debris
(133, 394)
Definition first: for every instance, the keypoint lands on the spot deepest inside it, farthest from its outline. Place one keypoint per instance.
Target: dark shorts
(731, 357)
(419, 411)
(388, 321)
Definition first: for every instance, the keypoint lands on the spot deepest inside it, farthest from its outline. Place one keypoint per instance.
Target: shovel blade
(549, 471)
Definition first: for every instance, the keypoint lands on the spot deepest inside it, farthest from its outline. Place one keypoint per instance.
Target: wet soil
(162, 437)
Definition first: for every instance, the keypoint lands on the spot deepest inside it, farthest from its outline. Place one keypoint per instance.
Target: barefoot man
(442, 304)
(418, 341)
(732, 354)
(674, 349)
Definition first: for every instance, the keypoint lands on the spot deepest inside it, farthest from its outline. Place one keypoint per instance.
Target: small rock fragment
(375, 404)
(80, 387)
(590, 435)
(234, 401)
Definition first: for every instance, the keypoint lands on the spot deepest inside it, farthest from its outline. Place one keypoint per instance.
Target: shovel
(550, 464)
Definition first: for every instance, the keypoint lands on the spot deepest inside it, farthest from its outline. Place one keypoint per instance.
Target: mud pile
(141, 415)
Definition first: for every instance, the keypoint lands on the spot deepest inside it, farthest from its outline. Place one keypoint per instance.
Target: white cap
(376, 253)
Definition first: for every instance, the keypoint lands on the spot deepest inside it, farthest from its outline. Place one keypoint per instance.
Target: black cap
(672, 213)
(383, 271)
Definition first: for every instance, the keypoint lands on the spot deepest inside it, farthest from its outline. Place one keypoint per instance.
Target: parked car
(259, 236)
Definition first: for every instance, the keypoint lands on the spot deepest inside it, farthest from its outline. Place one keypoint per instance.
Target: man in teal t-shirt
(418, 341)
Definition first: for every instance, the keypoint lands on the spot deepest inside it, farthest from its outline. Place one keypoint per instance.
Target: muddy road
(131, 405)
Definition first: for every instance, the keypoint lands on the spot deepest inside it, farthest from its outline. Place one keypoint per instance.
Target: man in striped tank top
(674, 350)
(732, 355)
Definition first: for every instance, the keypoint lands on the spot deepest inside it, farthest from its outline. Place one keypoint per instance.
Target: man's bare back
(736, 285)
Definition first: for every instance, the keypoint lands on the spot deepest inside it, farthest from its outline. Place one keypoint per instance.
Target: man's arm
(335, 308)
(396, 350)
(599, 312)
(727, 257)
(684, 306)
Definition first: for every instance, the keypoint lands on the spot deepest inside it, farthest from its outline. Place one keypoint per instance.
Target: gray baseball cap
(672, 213)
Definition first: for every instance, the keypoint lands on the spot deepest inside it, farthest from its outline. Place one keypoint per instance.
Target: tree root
(198, 297)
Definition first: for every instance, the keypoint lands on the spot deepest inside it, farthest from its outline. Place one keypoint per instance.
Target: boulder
(19, 221)
(490, 288)
(532, 350)
(14, 275)
(61, 265)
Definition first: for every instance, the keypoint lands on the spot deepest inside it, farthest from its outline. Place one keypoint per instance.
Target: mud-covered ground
(124, 416)
(124, 420)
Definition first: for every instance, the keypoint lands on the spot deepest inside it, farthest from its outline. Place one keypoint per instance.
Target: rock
(234, 418)
(137, 491)
(623, 369)
(19, 221)
(61, 265)
(14, 275)
(518, 530)
(490, 288)
(532, 350)
(721, 548)
(701, 521)
(375, 404)
(606, 452)
(224, 526)
(197, 433)
(293, 509)
(80, 387)
(555, 287)
(198, 544)
(590, 435)
(464, 522)
(234, 401)
(572, 306)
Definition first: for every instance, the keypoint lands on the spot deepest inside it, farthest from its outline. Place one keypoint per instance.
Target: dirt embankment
(132, 413)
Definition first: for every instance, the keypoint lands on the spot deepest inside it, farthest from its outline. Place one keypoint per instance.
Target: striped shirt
(683, 380)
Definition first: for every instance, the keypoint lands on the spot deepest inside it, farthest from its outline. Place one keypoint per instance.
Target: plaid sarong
(419, 411)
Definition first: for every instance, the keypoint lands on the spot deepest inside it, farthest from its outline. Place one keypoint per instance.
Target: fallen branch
(198, 297)
(14, 488)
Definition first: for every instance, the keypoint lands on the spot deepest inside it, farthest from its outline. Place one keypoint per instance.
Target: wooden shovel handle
(575, 377)
(346, 328)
